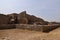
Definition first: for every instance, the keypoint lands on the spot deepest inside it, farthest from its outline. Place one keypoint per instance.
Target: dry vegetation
(18, 34)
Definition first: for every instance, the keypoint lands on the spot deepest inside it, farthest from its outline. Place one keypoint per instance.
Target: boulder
(23, 21)
(22, 18)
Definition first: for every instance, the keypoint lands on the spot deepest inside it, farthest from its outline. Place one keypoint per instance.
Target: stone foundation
(41, 28)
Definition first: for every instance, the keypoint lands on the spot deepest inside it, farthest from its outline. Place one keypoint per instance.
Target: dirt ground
(18, 34)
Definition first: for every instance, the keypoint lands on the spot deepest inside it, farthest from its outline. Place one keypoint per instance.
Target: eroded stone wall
(42, 28)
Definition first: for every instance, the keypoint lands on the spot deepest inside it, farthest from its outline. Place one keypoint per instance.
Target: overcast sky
(47, 9)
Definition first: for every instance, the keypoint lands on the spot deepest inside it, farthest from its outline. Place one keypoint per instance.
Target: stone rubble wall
(42, 28)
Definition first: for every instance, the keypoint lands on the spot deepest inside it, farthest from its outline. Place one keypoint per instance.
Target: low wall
(42, 28)
(28, 27)
(7, 26)
(47, 28)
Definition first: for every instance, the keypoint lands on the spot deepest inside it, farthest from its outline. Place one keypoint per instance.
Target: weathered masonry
(41, 28)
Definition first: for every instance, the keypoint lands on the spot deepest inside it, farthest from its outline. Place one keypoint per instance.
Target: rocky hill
(21, 18)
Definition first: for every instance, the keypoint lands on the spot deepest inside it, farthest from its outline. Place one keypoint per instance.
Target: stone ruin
(24, 18)
(29, 22)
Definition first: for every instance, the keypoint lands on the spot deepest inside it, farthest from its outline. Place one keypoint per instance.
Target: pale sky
(47, 9)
